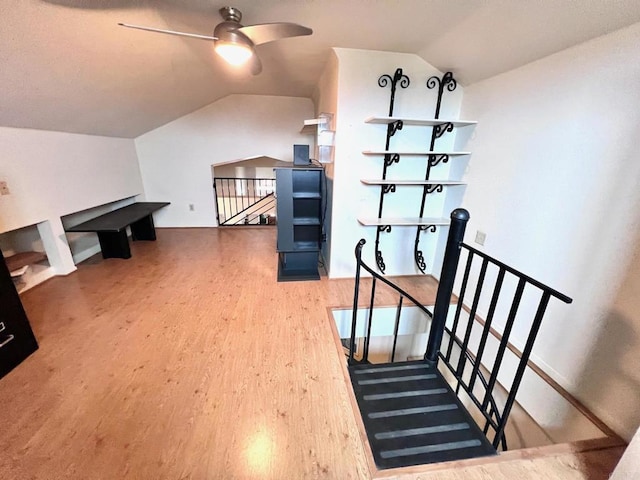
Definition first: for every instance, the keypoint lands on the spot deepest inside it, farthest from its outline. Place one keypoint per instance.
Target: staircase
(245, 201)
(412, 417)
(411, 414)
(254, 213)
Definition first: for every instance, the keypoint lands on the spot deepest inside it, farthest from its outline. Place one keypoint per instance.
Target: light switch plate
(480, 237)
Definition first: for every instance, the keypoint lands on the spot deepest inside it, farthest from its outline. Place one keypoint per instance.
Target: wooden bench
(112, 227)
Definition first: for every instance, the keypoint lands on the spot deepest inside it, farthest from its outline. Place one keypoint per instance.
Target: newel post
(459, 219)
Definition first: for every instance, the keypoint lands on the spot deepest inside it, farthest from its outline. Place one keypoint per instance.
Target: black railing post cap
(460, 214)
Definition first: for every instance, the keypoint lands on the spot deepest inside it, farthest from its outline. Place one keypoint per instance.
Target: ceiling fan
(235, 42)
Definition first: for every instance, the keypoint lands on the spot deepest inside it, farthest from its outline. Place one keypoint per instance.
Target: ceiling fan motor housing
(227, 32)
(231, 14)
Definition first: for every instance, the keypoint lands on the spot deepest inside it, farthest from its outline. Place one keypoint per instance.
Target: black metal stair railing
(391, 395)
(244, 201)
(410, 413)
(466, 329)
(402, 295)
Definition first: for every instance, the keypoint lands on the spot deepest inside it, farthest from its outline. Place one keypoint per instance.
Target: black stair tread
(412, 416)
(448, 417)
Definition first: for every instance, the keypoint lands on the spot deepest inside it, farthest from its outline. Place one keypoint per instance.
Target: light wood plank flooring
(189, 361)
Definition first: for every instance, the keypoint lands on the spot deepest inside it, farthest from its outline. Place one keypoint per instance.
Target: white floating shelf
(392, 152)
(411, 182)
(308, 129)
(404, 222)
(312, 126)
(424, 122)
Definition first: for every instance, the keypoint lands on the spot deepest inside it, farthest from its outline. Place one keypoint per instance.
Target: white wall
(554, 184)
(325, 99)
(629, 467)
(51, 174)
(359, 97)
(176, 159)
(261, 167)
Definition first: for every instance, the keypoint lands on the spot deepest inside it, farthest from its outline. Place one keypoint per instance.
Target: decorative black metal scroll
(417, 253)
(447, 82)
(441, 129)
(398, 78)
(390, 188)
(433, 188)
(401, 79)
(436, 159)
(392, 128)
(390, 158)
(379, 258)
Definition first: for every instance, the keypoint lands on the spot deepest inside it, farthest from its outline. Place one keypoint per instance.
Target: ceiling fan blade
(268, 32)
(256, 64)
(169, 32)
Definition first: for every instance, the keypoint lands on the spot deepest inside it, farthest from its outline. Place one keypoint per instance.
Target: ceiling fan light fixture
(233, 53)
(236, 43)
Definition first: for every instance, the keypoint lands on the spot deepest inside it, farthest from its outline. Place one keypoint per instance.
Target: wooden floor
(189, 361)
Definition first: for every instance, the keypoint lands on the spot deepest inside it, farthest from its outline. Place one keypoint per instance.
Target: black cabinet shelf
(309, 195)
(299, 207)
(306, 221)
(301, 246)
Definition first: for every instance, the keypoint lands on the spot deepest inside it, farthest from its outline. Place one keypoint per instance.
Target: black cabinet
(299, 208)
(16, 338)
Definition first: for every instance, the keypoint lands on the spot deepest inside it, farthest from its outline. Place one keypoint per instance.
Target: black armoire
(299, 208)
(17, 341)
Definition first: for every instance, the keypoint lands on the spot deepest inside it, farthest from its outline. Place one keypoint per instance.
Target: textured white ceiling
(65, 64)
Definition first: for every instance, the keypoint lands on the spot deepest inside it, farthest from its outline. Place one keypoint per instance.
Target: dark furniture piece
(17, 341)
(112, 227)
(299, 209)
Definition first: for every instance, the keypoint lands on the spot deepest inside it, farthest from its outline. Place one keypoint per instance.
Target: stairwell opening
(529, 426)
(436, 376)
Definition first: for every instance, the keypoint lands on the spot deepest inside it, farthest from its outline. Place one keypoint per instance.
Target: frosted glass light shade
(233, 53)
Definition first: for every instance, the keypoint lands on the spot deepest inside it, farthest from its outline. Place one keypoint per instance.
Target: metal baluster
(537, 321)
(367, 338)
(487, 327)
(456, 318)
(395, 329)
(227, 201)
(472, 316)
(505, 340)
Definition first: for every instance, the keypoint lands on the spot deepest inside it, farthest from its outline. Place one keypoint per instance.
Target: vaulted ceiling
(66, 65)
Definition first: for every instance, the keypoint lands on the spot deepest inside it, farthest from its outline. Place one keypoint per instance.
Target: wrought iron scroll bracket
(391, 158)
(379, 258)
(436, 159)
(390, 188)
(433, 188)
(447, 81)
(419, 258)
(430, 228)
(417, 253)
(441, 129)
(393, 127)
(398, 78)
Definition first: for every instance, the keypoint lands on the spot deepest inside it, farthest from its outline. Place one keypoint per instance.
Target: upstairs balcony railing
(245, 201)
